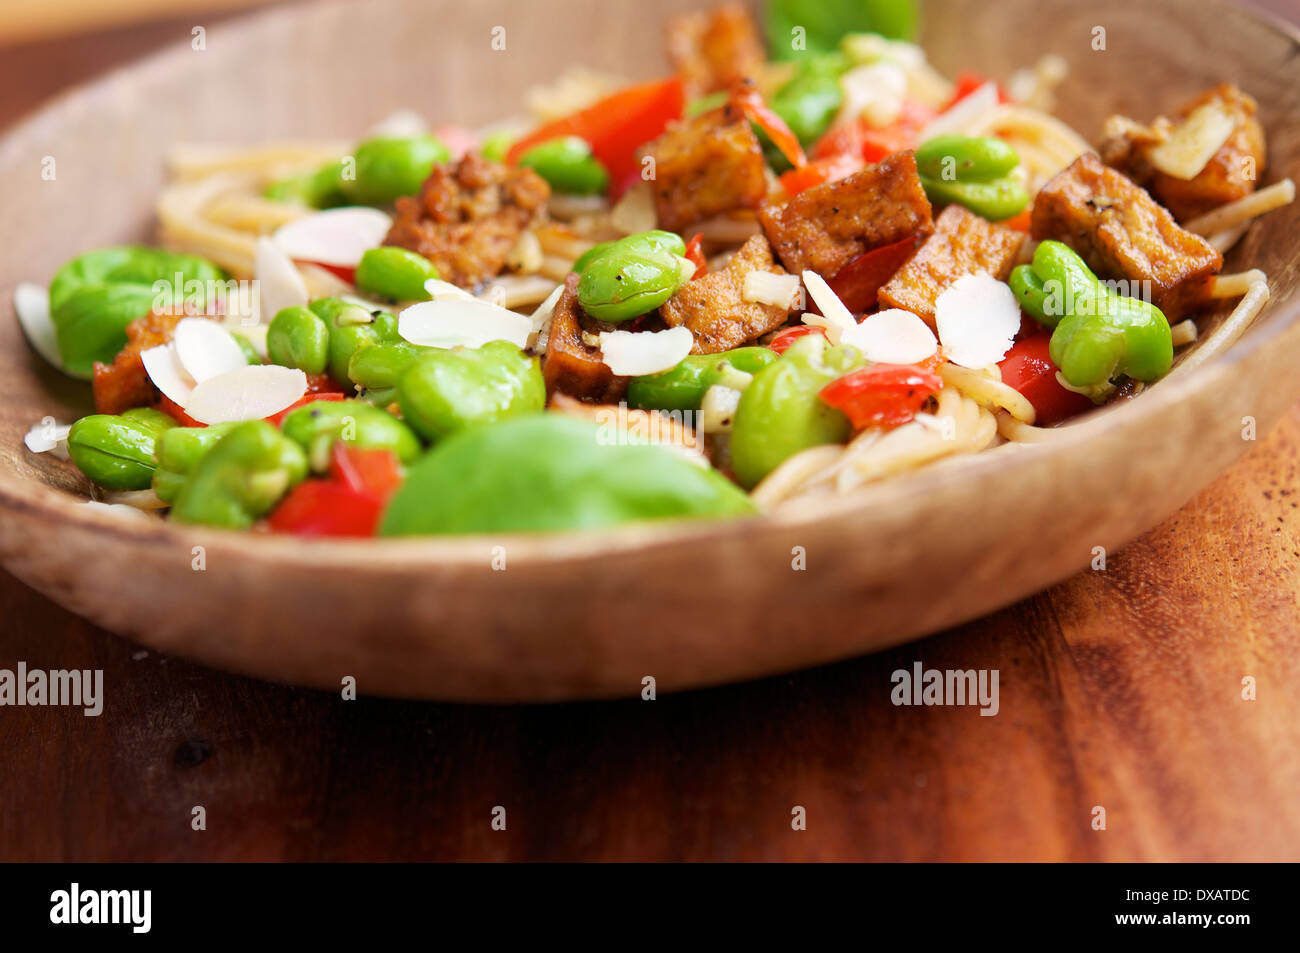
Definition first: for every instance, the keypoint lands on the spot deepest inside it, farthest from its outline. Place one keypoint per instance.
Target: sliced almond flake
(978, 317)
(337, 236)
(874, 92)
(834, 317)
(441, 290)
(1194, 142)
(206, 349)
(540, 333)
(963, 114)
(48, 436)
(763, 287)
(456, 322)
(250, 393)
(279, 283)
(168, 374)
(117, 509)
(893, 336)
(32, 305)
(633, 353)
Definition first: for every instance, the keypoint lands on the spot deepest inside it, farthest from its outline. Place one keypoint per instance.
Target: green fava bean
(551, 472)
(683, 387)
(781, 413)
(297, 337)
(345, 342)
(378, 396)
(632, 276)
(654, 242)
(444, 391)
(114, 451)
(965, 158)
(351, 329)
(178, 451)
(994, 201)
(240, 479)
(150, 417)
(1097, 335)
(395, 273)
(322, 188)
(568, 166)
(317, 425)
(95, 296)
(497, 145)
(389, 168)
(616, 288)
(378, 367)
(973, 171)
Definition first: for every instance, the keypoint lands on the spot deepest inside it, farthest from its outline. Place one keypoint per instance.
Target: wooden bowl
(592, 614)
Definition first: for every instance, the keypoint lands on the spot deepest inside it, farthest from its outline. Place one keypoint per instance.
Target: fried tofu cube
(1123, 233)
(125, 383)
(705, 166)
(962, 243)
(826, 227)
(714, 308)
(1232, 173)
(572, 366)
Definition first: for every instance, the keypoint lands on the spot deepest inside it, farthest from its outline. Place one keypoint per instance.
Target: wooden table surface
(1120, 689)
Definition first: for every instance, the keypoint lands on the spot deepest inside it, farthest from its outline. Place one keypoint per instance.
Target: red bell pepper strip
(370, 472)
(1021, 222)
(323, 508)
(859, 282)
(746, 97)
(1029, 369)
(307, 398)
(784, 339)
(347, 273)
(820, 171)
(882, 394)
(176, 412)
(616, 126)
(349, 503)
(870, 143)
(695, 253)
(966, 83)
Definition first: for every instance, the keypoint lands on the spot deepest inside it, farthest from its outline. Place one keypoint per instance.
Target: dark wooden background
(1120, 689)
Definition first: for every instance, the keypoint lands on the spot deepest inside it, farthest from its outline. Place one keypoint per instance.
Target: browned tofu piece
(1125, 145)
(963, 243)
(714, 308)
(1122, 233)
(705, 166)
(468, 217)
(1232, 173)
(826, 227)
(125, 383)
(572, 366)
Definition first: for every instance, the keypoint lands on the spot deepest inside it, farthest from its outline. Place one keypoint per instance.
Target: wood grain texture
(1118, 688)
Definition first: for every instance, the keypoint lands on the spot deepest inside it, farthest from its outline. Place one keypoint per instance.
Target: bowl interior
(330, 70)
